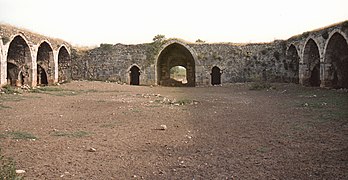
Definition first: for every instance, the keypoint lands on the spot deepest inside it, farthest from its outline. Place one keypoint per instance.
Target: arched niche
(291, 65)
(336, 62)
(311, 60)
(19, 62)
(134, 75)
(64, 62)
(45, 64)
(215, 76)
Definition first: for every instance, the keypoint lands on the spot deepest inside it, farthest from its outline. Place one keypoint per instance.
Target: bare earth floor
(229, 132)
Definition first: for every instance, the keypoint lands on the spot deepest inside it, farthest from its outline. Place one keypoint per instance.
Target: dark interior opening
(12, 75)
(314, 80)
(134, 76)
(41, 76)
(337, 56)
(216, 76)
(311, 59)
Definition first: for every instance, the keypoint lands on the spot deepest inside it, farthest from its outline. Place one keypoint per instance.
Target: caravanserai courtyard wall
(31, 59)
(315, 58)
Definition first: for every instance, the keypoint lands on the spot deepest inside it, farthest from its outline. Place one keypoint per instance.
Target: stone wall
(30, 59)
(111, 63)
(278, 61)
(241, 63)
(238, 63)
(321, 38)
(314, 58)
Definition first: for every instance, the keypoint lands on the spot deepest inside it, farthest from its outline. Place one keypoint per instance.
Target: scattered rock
(190, 137)
(20, 171)
(91, 150)
(163, 127)
(25, 87)
(305, 104)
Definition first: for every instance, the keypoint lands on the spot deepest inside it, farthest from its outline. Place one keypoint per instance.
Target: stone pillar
(33, 68)
(325, 75)
(3, 66)
(50, 69)
(55, 67)
(199, 75)
(304, 74)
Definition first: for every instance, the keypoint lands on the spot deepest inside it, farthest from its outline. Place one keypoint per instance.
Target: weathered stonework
(238, 63)
(31, 59)
(325, 49)
(316, 58)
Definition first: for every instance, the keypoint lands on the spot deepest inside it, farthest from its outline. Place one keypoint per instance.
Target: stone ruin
(315, 58)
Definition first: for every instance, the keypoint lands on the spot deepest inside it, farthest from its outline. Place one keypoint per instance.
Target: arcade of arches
(175, 55)
(318, 59)
(332, 71)
(19, 64)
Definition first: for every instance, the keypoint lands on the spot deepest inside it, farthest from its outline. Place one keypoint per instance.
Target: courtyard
(103, 130)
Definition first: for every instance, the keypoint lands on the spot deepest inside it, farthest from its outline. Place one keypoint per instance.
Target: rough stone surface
(278, 61)
(315, 58)
(27, 57)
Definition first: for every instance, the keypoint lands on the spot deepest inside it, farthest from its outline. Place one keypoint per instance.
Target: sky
(91, 22)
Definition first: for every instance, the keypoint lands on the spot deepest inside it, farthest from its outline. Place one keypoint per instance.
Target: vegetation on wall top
(154, 48)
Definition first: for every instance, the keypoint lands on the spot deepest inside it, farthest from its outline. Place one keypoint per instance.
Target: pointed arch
(336, 61)
(291, 64)
(64, 62)
(173, 54)
(215, 76)
(134, 75)
(311, 62)
(19, 61)
(45, 63)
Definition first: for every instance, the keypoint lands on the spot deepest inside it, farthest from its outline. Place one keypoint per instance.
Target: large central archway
(173, 55)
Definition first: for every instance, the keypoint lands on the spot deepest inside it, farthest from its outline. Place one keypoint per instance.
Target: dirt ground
(98, 130)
